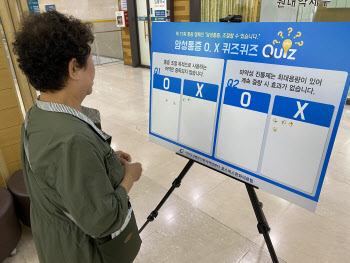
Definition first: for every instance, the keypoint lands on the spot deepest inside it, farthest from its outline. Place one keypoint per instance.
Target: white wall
(270, 12)
(84, 9)
(109, 44)
(339, 4)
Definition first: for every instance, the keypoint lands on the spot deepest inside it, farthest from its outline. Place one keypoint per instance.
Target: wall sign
(123, 5)
(122, 18)
(50, 7)
(33, 6)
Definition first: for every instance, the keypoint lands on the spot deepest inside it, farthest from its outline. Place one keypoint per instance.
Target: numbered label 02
(241, 126)
(165, 106)
(295, 142)
(198, 115)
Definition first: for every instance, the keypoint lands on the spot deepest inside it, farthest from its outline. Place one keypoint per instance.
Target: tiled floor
(99, 60)
(210, 219)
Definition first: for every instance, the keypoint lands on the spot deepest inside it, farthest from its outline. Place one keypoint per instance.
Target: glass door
(143, 32)
(158, 11)
(149, 11)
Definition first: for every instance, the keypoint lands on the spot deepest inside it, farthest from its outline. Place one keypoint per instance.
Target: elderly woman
(78, 186)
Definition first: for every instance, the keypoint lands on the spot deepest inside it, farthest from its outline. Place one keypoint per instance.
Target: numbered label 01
(295, 142)
(241, 126)
(198, 114)
(165, 106)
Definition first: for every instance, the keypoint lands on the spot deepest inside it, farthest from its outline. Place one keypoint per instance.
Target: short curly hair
(46, 43)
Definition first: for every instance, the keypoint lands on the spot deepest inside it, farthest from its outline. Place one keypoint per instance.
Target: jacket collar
(88, 116)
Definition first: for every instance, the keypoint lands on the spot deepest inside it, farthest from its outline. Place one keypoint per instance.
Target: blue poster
(50, 7)
(260, 102)
(159, 13)
(33, 6)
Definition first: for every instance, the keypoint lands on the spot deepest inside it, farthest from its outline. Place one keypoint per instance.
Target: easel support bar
(263, 225)
(176, 183)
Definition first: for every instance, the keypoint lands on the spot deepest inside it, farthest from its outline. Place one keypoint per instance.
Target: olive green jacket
(73, 170)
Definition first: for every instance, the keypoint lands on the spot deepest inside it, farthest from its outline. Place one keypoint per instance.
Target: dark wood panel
(324, 14)
(182, 18)
(10, 136)
(10, 117)
(12, 153)
(6, 79)
(181, 10)
(3, 61)
(126, 45)
(8, 99)
(126, 41)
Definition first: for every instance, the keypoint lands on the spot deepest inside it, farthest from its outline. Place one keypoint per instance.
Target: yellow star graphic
(274, 129)
(166, 100)
(174, 103)
(291, 124)
(274, 120)
(188, 99)
(284, 122)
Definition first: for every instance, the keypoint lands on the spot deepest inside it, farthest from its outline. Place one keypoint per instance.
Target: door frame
(134, 33)
(149, 29)
(133, 29)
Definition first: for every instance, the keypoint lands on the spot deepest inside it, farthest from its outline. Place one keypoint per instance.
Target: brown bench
(20, 195)
(10, 228)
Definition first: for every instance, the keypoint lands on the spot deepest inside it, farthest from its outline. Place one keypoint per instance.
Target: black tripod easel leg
(176, 184)
(263, 225)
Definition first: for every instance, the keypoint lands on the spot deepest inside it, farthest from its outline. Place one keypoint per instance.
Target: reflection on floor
(98, 60)
(210, 218)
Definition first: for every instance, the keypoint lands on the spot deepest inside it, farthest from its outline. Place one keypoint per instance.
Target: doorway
(149, 11)
(142, 8)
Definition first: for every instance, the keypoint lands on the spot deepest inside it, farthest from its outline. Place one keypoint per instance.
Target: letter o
(206, 47)
(248, 99)
(166, 86)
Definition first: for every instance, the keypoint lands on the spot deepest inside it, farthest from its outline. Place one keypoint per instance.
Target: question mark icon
(290, 31)
(298, 34)
(300, 43)
(280, 34)
(275, 42)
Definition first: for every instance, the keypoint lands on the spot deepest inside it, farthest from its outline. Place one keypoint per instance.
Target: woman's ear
(73, 68)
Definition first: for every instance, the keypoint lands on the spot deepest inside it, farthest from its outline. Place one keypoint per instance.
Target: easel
(263, 226)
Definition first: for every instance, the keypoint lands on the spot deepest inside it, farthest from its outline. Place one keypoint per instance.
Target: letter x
(199, 92)
(300, 111)
(217, 47)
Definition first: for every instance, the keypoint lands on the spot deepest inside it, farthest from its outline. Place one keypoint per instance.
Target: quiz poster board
(260, 102)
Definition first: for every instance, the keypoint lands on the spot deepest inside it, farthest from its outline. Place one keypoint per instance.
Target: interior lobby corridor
(210, 217)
